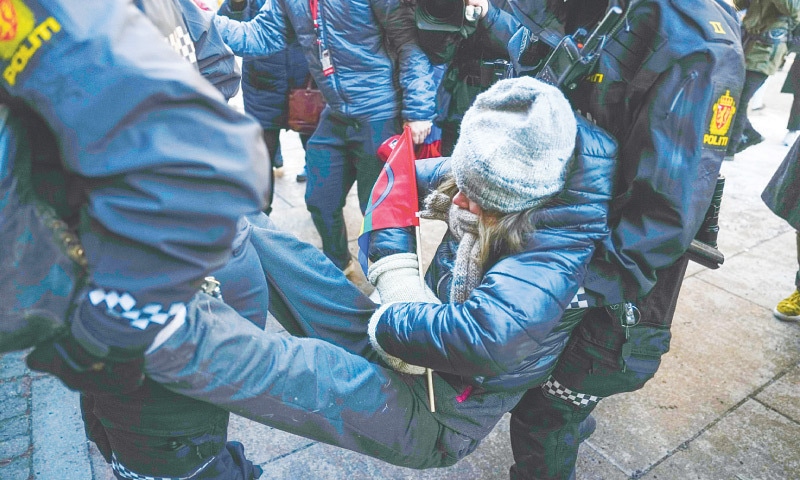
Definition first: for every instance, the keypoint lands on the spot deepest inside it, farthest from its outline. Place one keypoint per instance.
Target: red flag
(393, 202)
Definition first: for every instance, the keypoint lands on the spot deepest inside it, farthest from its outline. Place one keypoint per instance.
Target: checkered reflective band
(580, 300)
(182, 43)
(123, 305)
(123, 472)
(554, 388)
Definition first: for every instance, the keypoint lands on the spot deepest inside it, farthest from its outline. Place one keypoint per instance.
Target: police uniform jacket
(670, 105)
(379, 71)
(509, 332)
(114, 123)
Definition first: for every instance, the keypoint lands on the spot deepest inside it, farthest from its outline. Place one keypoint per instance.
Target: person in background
(792, 85)
(366, 62)
(782, 196)
(766, 26)
(266, 82)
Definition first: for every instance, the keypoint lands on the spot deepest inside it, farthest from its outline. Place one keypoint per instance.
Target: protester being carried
(515, 212)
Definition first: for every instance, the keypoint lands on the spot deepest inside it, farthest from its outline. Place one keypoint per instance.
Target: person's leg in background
(303, 175)
(545, 424)
(792, 85)
(743, 135)
(366, 138)
(330, 177)
(788, 309)
(272, 139)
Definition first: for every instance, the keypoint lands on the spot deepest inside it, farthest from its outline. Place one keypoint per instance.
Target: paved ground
(724, 405)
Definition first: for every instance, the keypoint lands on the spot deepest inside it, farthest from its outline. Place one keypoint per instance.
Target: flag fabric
(393, 201)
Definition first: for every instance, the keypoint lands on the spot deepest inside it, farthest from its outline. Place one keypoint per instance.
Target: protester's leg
(368, 137)
(309, 296)
(318, 390)
(545, 423)
(330, 177)
(242, 282)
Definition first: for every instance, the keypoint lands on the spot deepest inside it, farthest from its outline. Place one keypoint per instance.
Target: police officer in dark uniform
(113, 216)
(666, 85)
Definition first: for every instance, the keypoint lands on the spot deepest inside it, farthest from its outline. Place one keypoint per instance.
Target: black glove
(63, 357)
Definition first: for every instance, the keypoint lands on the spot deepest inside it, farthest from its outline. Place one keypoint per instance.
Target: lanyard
(324, 54)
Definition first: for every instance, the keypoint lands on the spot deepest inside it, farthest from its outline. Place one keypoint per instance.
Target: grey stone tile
(12, 365)
(59, 441)
(264, 444)
(17, 469)
(762, 275)
(14, 398)
(723, 349)
(14, 447)
(753, 442)
(784, 394)
(14, 427)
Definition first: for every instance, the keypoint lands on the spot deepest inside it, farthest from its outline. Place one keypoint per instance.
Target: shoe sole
(785, 318)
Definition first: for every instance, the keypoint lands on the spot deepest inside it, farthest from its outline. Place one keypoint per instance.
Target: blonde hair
(499, 234)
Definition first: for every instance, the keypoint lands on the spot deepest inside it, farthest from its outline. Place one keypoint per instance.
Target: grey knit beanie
(514, 145)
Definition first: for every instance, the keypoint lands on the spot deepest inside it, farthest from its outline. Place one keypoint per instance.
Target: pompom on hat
(514, 145)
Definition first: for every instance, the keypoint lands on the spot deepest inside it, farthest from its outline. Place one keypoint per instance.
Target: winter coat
(670, 104)
(266, 81)
(115, 124)
(782, 194)
(767, 24)
(379, 70)
(508, 333)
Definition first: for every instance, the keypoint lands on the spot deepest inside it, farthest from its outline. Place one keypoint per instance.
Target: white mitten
(393, 362)
(396, 278)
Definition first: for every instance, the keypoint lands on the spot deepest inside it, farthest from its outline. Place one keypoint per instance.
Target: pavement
(725, 403)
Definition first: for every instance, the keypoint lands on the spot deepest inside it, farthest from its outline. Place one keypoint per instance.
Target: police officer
(113, 214)
(474, 60)
(666, 85)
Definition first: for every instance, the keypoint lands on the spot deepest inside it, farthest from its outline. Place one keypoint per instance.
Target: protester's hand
(393, 362)
(64, 357)
(419, 130)
(396, 277)
(473, 6)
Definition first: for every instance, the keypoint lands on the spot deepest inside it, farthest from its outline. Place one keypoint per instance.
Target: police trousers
(595, 364)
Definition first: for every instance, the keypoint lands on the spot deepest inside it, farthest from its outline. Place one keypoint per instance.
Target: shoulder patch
(21, 37)
(713, 22)
(722, 113)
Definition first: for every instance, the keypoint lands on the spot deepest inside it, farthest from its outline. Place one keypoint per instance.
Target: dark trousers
(342, 151)
(741, 124)
(544, 426)
(158, 433)
(273, 140)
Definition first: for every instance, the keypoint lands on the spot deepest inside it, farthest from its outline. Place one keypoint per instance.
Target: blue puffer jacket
(366, 39)
(510, 331)
(266, 81)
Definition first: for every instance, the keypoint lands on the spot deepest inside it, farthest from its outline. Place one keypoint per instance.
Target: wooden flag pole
(428, 371)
